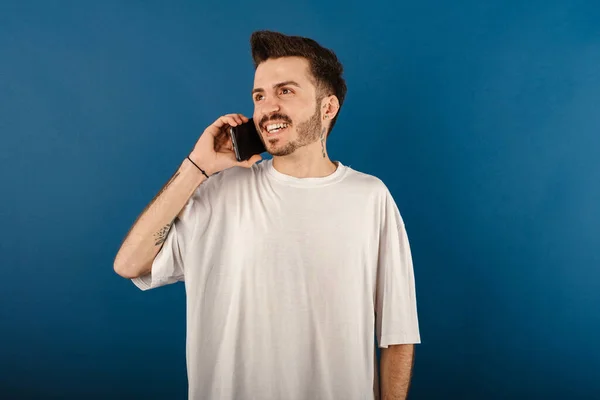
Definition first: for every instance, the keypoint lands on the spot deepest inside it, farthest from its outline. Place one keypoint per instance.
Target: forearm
(147, 234)
(396, 370)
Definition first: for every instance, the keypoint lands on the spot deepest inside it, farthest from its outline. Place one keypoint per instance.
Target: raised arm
(212, 153)
(147, 234)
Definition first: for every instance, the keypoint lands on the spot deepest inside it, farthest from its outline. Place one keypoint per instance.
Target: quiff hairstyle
(325, 67)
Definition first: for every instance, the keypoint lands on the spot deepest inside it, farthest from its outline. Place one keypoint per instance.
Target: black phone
(246, 140)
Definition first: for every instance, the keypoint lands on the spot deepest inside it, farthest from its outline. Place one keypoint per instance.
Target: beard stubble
(308, 133)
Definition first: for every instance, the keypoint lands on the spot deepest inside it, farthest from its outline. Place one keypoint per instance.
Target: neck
(306, 162)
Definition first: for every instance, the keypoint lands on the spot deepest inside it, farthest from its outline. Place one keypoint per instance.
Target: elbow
(125, 272)
(129, 271)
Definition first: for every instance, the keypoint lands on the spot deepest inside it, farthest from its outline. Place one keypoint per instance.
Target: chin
(281, 150)
(275, 142)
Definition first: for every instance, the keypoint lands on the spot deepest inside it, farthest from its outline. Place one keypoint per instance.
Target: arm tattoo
(161, 236)
(323, 141)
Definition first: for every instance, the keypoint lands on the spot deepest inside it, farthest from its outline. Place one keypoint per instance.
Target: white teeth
(273, 127)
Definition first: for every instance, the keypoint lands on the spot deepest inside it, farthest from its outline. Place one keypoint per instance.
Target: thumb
(250, 162)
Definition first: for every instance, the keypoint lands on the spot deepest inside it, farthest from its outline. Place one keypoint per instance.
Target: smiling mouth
(273, 129)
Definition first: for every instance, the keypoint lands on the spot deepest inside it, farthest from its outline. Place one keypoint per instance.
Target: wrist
(196, 164)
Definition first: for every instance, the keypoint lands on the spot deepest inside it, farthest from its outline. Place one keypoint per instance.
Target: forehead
(283, 69)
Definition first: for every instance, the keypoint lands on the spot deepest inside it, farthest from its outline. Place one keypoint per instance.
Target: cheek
(256, 116)
(259, 111)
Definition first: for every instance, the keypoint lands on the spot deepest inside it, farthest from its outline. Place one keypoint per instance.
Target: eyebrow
(277, 85)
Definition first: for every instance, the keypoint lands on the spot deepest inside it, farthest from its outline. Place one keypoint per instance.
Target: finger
(224, 120)
(238, 118)
(233, 120)
(219, 123)
(250, 162)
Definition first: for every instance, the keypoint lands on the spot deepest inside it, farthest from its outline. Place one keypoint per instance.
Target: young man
(291, 266)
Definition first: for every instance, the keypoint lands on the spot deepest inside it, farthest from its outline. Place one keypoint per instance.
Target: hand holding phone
(213, 152)
(246, 140)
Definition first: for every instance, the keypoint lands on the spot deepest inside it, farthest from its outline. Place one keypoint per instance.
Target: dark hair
(324, 64)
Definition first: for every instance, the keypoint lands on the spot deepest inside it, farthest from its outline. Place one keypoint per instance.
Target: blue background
(482, 117)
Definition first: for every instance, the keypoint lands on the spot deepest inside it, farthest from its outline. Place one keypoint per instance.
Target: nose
(270, 105)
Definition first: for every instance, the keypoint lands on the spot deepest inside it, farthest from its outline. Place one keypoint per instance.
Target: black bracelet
(201, 170)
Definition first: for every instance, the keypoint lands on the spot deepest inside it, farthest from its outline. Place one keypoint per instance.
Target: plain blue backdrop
(482, 117)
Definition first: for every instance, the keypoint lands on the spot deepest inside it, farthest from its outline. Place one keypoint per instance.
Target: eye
(258, 97)
(286, 91)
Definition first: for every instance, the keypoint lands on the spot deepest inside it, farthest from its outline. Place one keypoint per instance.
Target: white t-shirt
(288, 283)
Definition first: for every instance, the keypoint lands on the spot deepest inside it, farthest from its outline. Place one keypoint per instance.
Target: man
(291, 266)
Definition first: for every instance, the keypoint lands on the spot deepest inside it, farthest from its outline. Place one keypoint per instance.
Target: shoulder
(366, 182)
(374, 191)
(234, 178)
(234, 175)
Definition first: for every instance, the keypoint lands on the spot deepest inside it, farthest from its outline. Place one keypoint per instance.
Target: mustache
(275, 117)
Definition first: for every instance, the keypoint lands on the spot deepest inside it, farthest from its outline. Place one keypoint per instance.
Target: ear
(330, 106)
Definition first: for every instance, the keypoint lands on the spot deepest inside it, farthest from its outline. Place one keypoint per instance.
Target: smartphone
(246, 141)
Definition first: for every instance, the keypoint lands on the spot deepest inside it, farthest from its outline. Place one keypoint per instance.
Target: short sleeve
(396, 306)
(169, 264)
